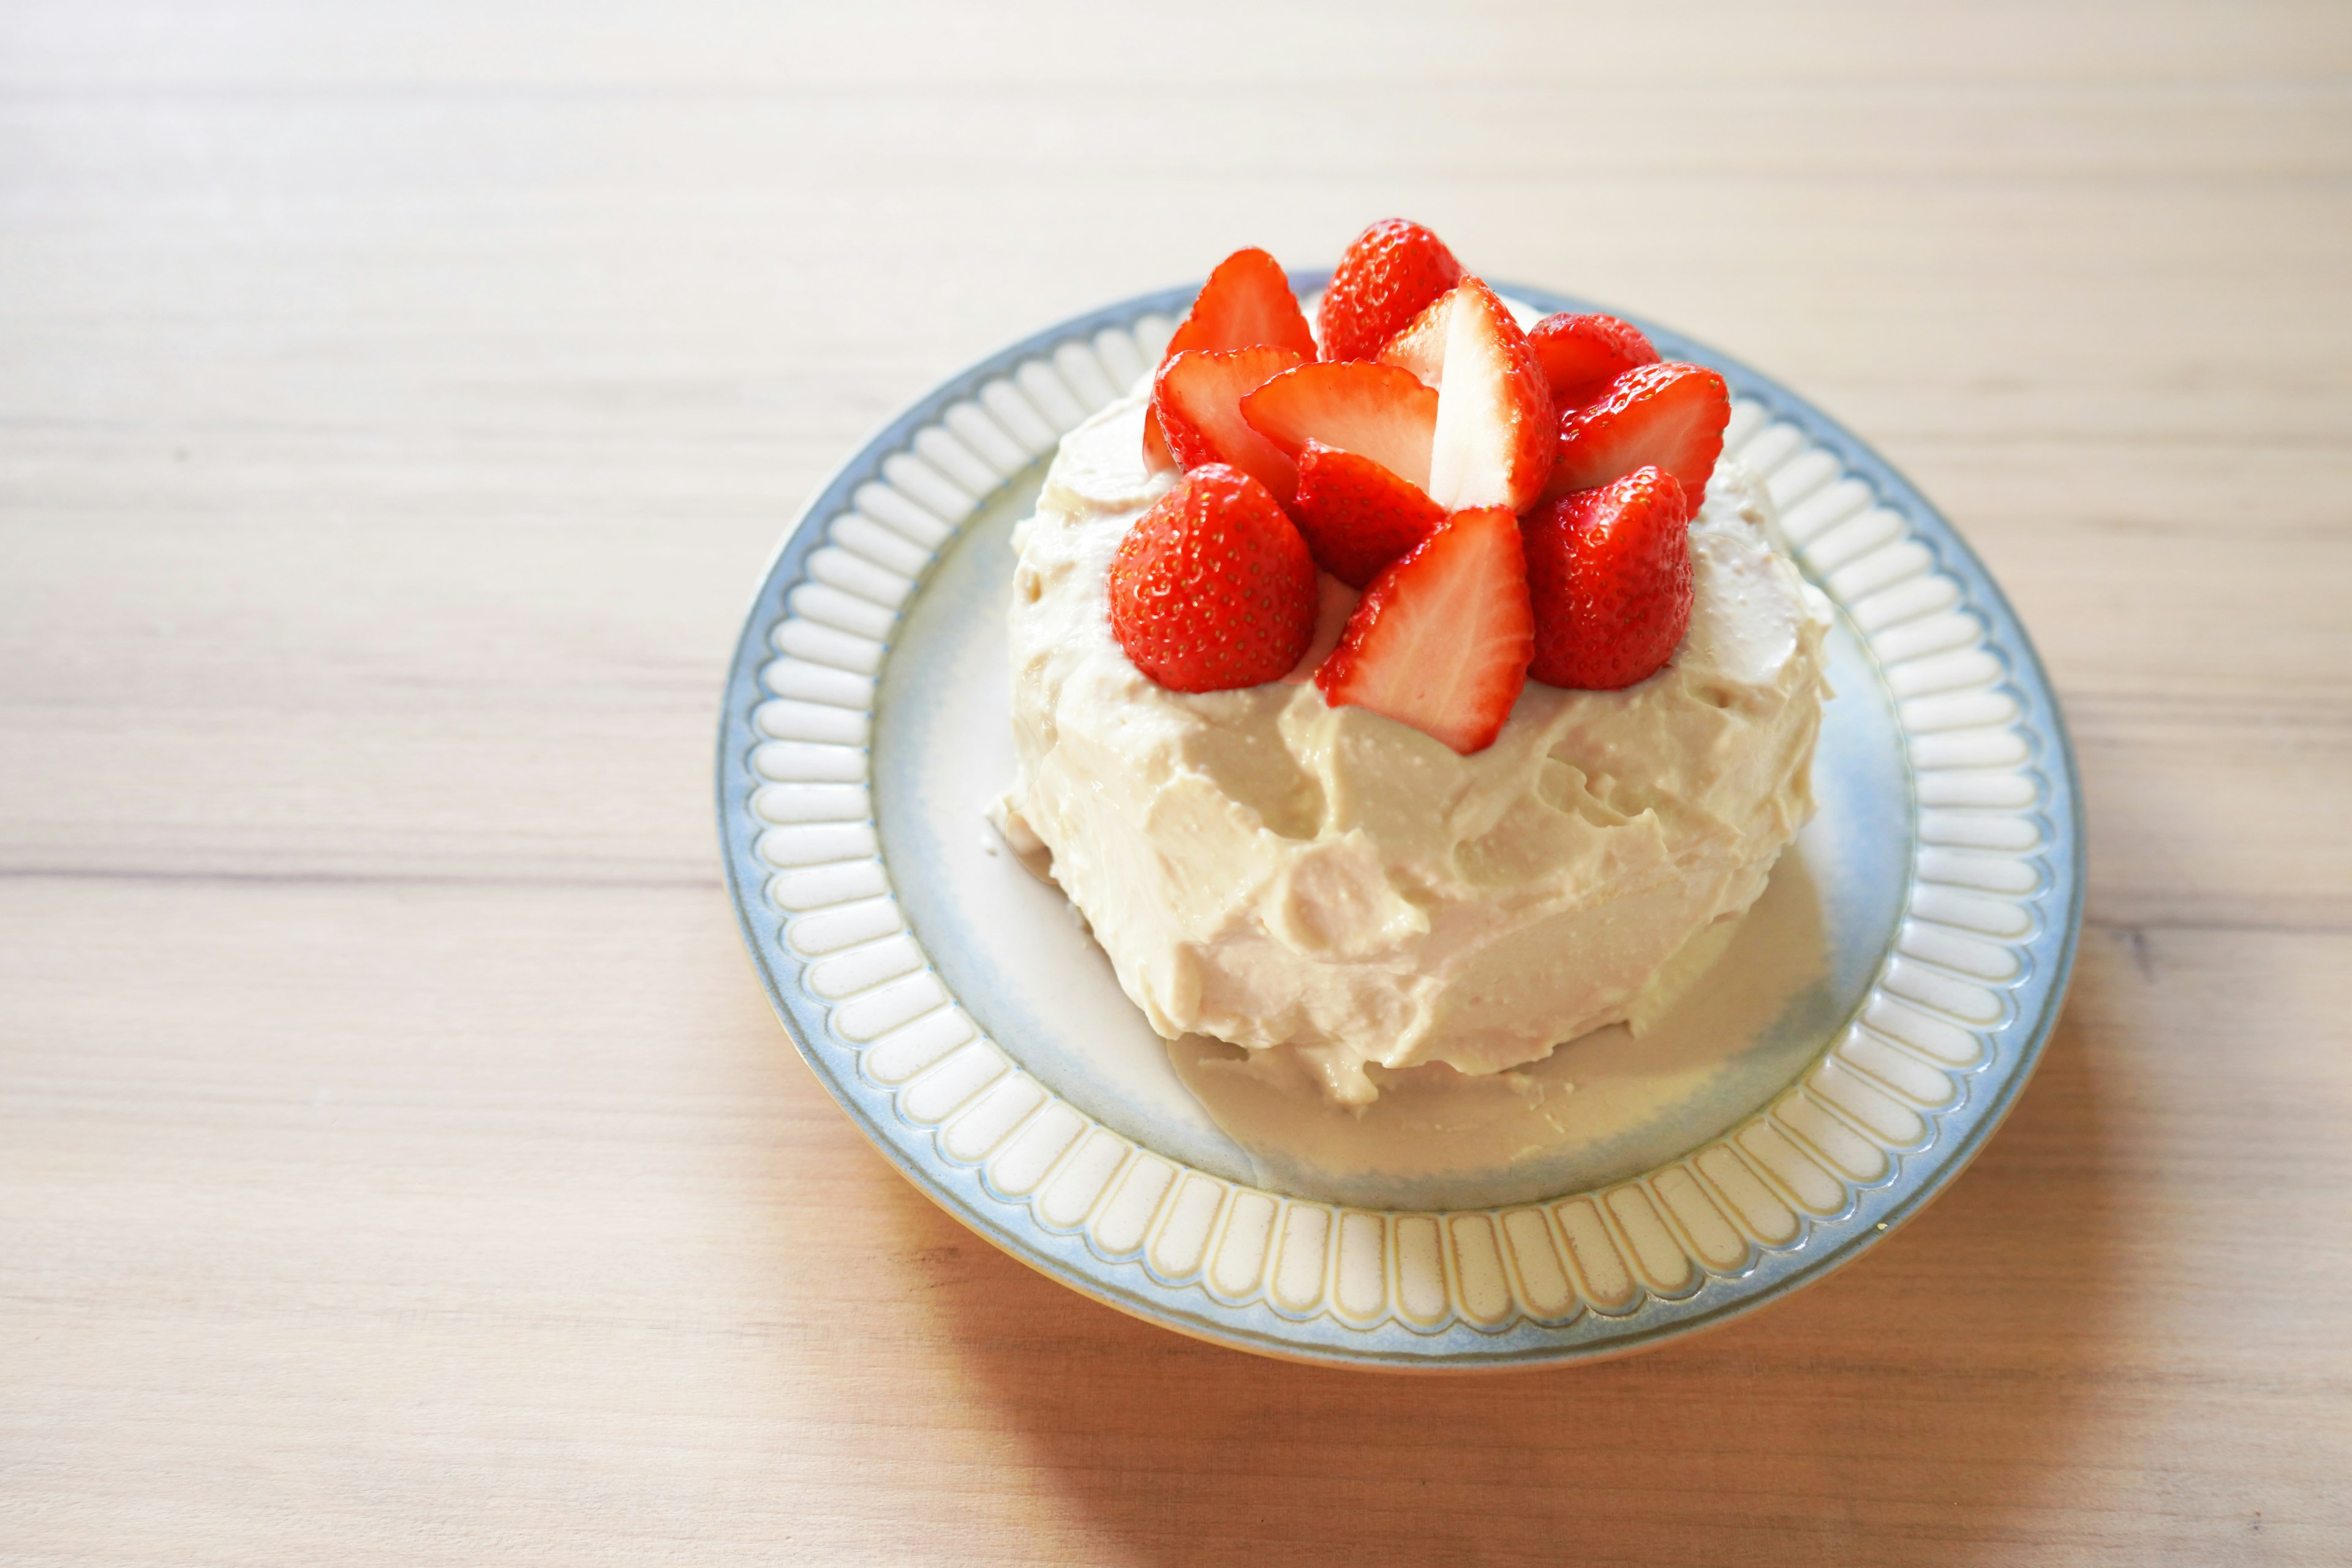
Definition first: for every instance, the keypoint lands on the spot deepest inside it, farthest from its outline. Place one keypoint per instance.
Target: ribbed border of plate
(1906, 1092)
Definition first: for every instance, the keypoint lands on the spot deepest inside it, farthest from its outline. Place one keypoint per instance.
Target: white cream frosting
(1275, 872)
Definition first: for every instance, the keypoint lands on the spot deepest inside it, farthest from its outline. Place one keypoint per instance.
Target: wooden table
(398, 1162)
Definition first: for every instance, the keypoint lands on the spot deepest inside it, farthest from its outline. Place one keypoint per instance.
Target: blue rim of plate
(2014, 1044)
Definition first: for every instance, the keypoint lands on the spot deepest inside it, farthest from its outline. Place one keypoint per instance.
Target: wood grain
(397, 1160)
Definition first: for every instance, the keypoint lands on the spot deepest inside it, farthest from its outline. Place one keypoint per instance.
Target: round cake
(1263, 867)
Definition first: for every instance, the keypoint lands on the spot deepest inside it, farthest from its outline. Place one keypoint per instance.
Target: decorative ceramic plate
(956, 1009)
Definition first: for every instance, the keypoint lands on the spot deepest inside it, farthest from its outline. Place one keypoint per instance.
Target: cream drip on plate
(1283, 875)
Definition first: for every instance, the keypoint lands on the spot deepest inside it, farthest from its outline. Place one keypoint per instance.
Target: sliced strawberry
(1442, 638)
(1582, 354)
(1246, 301)
(1213, 588)
(1375, 411)
(1197, 399)
(1357, 516)
(1672, 414)
(1384, 279)
(1421, 346)
(1496, 435)
(1609, 572)
(1156, 455)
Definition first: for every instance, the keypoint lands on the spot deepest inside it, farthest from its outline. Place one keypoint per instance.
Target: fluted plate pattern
(1889, 1109)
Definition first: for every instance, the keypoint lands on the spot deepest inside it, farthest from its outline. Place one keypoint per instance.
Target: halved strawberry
(1442, 638)
(1421, 346)
(1246, 301)
(1495, 437)
(1608, 573)
(1375, 411)
(1213, 588)
(1672, 414)
(1198, 401)
(1355, 515)
(1384, 279)
(1582, 354)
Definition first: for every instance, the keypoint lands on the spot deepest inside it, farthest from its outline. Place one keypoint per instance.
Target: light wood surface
(398, 1162)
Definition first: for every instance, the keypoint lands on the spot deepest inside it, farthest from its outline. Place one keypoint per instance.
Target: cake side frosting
(1273, 871)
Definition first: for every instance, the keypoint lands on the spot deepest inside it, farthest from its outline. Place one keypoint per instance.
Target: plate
(962, 1018)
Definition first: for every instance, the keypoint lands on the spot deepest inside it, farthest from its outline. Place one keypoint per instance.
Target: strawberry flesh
(1495, 436)
(1442, 638)
(1355, 515)
(1212, 589)
(1580, 355)
(1420, 348)
(1197, 399)
(1394, 269)
(1246, 301)
(1671, 415)
(1375, 411)
(1609, 574)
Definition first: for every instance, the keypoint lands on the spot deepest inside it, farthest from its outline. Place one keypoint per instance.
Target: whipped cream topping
(1278, 873)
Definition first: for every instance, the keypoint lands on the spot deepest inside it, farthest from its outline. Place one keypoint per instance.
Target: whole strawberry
(1384, 279)
(1609, 576)
(1213, 588)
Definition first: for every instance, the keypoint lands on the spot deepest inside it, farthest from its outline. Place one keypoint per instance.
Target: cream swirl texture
(1278, 873)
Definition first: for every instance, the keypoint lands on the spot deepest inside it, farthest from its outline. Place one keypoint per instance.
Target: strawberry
(1672, 414)
(1392, 270)
(1357, 516)
(1495, 437)
(1580, 355)
(1609, 570)
(1197, 399)
(1442, 638)
(1246, 301)
(1213, 588)
(1421, 346)
(1375, 411)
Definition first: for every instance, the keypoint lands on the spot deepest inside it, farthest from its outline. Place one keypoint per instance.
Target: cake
(1384, 754)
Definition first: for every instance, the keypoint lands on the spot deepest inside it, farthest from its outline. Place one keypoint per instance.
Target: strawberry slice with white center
(1671, 415)
(1441, 640)
(1357, 516)
(1375, 411)
(1421, 347)
(1495, 436)
(1246, 301)
(1582, 354)
(1197, 400)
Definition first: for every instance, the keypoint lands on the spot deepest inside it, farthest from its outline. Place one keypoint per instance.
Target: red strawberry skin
(1580, 355)
(1442, 638)
(1355, 515)
(1609, 574)
(1385, 277)
(1246, 301)
(1212, 589)
(1375, 411)
(1671, 415)
(1197, 400)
